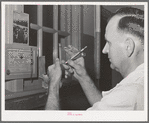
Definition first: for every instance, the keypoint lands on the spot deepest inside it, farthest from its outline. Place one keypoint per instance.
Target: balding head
(130, 21)
(125, 40)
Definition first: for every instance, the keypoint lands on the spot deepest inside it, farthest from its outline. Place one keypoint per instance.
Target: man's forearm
(92, 93)
(53, 99)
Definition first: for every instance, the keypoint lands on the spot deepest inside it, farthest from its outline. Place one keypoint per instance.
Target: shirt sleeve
(122, 98)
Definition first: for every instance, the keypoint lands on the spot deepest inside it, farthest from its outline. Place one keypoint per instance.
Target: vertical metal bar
(71, 25)
(63, 28)
(79, 26)
(68, 25)
(97, 48)
(7, 23)
(39, 32)
(75, 28)
(55, 35)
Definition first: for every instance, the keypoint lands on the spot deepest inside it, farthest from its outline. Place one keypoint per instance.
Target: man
(125, 48)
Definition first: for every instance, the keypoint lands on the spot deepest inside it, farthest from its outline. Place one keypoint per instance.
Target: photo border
(62, 115)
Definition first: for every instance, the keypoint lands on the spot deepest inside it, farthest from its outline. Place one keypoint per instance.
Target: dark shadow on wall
(88, 41)
(105, 70)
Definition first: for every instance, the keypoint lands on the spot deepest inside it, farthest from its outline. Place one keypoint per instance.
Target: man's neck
(131, 66)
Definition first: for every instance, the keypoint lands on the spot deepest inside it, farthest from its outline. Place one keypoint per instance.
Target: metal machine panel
(20, 61)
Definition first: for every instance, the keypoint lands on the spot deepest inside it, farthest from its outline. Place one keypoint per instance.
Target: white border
(62, 115)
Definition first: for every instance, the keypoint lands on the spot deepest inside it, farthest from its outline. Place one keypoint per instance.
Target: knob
(8, 72)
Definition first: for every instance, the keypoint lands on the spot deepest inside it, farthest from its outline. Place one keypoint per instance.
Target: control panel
(20, 61)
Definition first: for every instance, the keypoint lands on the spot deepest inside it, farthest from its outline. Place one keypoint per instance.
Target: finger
(68, 51)
(73, 64)
(44, 77)
(62, 62)
(70, 47)
(57, 63)
(66, 76)
(67, 67)
(60, 85)
(74, 50)
(71, 70)
(66, 72)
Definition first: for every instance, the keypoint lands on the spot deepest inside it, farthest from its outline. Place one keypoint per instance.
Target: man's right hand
(77, 67)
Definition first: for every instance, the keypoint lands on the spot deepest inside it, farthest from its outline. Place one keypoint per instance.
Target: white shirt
(127, 95)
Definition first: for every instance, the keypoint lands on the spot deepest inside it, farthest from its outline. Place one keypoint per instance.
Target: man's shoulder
(135, 77)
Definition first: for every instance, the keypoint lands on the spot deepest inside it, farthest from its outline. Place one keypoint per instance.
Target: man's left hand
(54, 73)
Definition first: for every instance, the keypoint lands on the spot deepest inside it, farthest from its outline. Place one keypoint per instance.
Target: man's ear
(130, 46)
